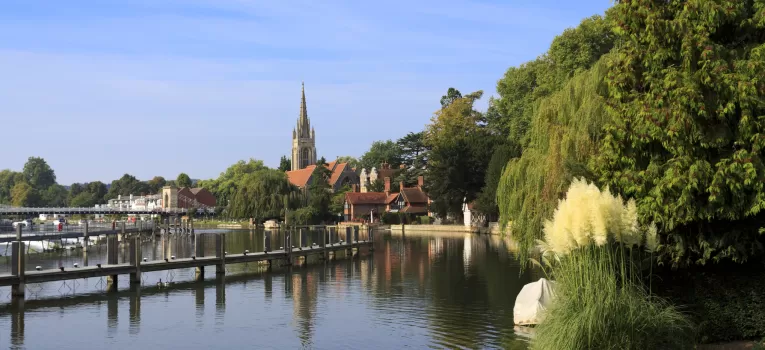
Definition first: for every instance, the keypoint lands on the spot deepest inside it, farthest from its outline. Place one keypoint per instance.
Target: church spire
(303, 119)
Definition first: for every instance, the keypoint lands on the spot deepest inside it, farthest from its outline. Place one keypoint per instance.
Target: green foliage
(225, 186)
(127, 185)
(285, 164)
(320, 193)
(486, 202)
(24, 195)
(337, 205)
(451, 95)
(522, 88)
(183, 180)
(460, 151)
(564, 137)
(8, 179)
(261, 195)
(414, 155)
(156, 184)
(687, 90)
(38, 173)
(55, 196)
(381, 152)
(725, 300)
(84, 199)
(352, 162)
(376, 186)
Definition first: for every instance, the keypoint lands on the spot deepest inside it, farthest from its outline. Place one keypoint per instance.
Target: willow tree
(563, 137)
(687, 87)
(261, 195)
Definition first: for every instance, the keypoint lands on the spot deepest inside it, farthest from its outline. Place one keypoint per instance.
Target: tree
(225, 186)
(8, 179)
(126, 186)
(285, 164)
(687, 140)
(156, 184)
(460, 150)
(376, 186)
(24, 195)
(54, 196)
(98, 190)
(352, 162)
(451, 95)
(183, 180)
(83, 200)
(38, 173)
(261, 195)
(381, 152)
(414, 156)
(486, 202)
(320, 192)
(337, 205)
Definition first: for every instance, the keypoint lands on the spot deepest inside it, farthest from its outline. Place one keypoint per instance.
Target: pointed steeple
(303, 119)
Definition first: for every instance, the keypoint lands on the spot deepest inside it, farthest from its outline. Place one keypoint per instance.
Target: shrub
(593, 248)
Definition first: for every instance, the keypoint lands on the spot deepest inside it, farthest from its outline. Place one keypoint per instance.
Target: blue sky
(155, 87)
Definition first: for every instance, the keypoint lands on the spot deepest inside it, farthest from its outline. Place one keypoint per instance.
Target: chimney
(420, 181)
(401, 186)
(353, 188)
(387, 185)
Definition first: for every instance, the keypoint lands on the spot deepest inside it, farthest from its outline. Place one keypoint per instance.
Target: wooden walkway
(20, 276)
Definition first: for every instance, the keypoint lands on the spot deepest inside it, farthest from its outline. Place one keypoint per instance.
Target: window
(304, 157)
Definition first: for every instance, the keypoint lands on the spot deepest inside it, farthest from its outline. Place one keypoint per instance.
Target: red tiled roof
(415, 195)
(392, 197)
(365, 197)
(300, 177)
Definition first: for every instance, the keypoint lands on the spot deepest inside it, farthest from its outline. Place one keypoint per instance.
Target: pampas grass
(591, 249)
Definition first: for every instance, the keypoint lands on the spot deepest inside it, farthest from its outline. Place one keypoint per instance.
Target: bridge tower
(169, 197)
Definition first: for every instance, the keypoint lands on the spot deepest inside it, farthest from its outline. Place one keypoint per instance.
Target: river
(416, 291)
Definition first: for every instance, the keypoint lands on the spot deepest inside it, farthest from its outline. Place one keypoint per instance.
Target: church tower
(303, 139)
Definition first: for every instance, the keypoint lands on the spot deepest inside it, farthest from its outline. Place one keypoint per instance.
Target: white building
(131, 202)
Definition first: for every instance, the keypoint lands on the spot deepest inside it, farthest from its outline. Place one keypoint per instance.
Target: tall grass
(596, 252)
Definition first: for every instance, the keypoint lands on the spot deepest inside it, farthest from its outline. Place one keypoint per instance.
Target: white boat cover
(532, 301)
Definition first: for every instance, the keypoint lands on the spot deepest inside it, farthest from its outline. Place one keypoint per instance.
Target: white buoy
(172, 257)
(38, 268)
(145, 260)
(76, 265)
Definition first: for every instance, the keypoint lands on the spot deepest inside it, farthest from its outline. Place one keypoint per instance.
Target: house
(367, 178)
(410, 200)
(341, 174)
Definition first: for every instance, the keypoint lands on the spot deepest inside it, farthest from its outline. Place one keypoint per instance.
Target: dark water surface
(419, 291)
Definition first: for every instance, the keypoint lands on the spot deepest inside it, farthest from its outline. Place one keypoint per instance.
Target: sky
(100, 88)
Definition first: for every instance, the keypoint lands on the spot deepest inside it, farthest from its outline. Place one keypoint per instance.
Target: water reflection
(443, 291)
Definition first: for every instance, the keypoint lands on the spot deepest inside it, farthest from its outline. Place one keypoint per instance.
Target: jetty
(330, 240)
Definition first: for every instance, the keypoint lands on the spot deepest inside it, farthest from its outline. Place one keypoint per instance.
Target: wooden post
(371, 238)
(111, 259)
(303, 237)
(356, 234)
(135, 260)
(324, 235)
(18, 262)
(199, 251)
(220, 250)
(348, 238)
(121, 235)
(288, 246)
(191, 224)
(267, 241)
(86, 238)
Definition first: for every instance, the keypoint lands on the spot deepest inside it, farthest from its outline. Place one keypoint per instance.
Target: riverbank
(492, 229)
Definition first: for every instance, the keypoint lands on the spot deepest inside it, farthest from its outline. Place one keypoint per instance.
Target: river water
(416, 291)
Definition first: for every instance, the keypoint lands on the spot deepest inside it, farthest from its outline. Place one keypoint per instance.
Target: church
(304, 155)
